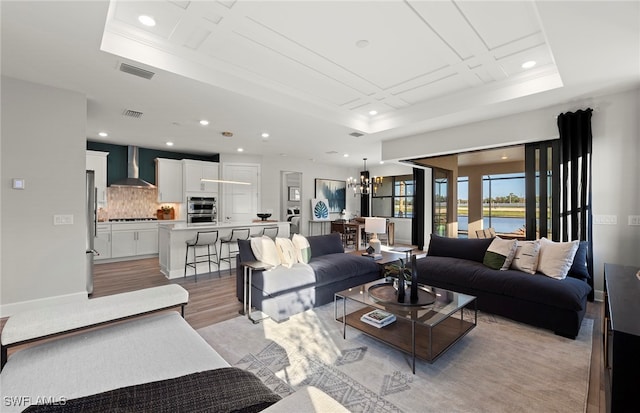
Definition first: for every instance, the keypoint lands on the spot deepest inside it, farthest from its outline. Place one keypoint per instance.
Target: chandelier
(365, 185)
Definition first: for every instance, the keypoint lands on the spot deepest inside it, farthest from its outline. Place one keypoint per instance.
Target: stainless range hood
(132, 180)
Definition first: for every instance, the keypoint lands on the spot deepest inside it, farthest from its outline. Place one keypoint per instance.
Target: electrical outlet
(634, 220)
(63, 220)
(605, 219)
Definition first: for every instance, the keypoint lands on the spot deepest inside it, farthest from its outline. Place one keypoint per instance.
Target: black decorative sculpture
(401, 286)
(414, 280)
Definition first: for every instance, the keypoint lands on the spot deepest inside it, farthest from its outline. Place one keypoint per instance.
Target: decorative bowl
(263, 216)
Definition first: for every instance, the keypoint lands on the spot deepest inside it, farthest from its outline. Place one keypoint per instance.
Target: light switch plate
(634, 220)
(63, 220)
(17, 183)
(605, 219)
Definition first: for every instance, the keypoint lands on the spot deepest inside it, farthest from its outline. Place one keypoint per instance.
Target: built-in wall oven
(201, 210)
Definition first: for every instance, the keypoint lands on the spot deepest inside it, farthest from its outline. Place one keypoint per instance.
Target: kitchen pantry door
(240, 202)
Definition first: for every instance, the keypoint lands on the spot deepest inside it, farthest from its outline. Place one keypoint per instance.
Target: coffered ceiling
(310, 72)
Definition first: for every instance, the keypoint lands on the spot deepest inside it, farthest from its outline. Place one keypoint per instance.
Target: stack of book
(375, 256)
(378, 318)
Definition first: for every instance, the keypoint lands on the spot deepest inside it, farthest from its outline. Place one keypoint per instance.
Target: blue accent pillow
(472, 249)
(579, 266)
(325, 244)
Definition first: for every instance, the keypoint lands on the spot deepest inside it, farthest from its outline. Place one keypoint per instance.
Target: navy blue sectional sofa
(558, 305)
(283, 292)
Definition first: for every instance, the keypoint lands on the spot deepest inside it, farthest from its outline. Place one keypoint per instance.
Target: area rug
(500, 366)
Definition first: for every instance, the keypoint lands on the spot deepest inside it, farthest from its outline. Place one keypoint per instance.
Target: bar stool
(208, 238)
(236, 234)
(271, 232)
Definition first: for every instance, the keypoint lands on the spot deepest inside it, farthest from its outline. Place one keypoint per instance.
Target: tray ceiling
(341, 60)
(308, 72)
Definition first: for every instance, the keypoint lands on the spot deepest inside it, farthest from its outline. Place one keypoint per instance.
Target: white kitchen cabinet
(102, 242)
(133, 239)
(169, 180)
(147, 241)
(97, 162)
(194, 171)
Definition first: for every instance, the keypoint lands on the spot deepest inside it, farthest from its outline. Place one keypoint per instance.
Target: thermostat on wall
(17, 183)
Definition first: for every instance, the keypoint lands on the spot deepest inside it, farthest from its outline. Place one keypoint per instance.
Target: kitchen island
(172, 245)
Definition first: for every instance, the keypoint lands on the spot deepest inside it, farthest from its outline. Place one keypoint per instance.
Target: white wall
(616, 150)
(43, 142)
(273, 165)
(271, 186)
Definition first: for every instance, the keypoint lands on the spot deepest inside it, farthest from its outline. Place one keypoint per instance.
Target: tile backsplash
(123, 202)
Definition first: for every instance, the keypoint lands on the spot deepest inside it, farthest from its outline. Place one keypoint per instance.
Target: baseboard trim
(6, 310)
(598, 295)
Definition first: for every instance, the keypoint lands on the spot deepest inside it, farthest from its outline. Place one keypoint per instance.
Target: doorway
(291, 199)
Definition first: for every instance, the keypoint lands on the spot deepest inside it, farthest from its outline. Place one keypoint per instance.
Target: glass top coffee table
(424, 330)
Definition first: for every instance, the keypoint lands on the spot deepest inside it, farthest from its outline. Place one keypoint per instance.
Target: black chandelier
(365, 185)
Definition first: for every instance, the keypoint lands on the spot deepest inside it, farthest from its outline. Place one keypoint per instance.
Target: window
(503, 203)
(442, 208)
(394, 197)
(463, 206)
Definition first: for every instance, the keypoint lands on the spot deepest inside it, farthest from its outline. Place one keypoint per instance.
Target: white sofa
(158, 347)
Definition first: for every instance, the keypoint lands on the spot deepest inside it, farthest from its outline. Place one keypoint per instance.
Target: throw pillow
(303, 249)
(526, 257)
(556, 257)
(579, 268)
(264, 249)
(287, 252)
(472, 249)
(500, 253)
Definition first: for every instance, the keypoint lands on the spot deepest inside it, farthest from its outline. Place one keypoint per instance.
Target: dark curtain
(417, 222)
(575, 209)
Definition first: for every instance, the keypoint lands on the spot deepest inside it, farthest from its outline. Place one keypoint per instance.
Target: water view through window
(503, 204)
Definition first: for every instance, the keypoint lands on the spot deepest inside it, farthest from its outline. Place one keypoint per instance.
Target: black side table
(248, 268)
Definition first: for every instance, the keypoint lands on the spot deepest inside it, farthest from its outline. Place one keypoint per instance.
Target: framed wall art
(294, 193)
(319, 209)
(334, 192)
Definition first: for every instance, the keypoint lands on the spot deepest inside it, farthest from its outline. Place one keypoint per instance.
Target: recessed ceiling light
(265, 135)
(373, 112)
(381, 162)
(362, 43)
(503, 157)
(147, 20)
(169, 143)
(204, 122)
(103, 134)
(529, 64)
(346, 155)
(240, 150)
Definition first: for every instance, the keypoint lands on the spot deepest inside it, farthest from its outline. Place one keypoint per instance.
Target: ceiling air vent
(136, 71)
(356, 134)
(132, 113)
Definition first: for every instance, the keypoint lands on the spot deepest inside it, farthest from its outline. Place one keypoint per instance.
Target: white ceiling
(294, 68)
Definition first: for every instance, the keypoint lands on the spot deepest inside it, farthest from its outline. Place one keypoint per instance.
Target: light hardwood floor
(212, 299)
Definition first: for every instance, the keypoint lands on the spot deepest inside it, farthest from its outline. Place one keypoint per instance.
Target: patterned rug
(500, 366)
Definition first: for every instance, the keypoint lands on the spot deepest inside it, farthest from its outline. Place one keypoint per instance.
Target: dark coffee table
(425, 331)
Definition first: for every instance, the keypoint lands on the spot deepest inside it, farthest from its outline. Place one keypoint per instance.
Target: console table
(622, 334)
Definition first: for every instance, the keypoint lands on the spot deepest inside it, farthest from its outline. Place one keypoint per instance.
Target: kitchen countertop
(182, 225)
